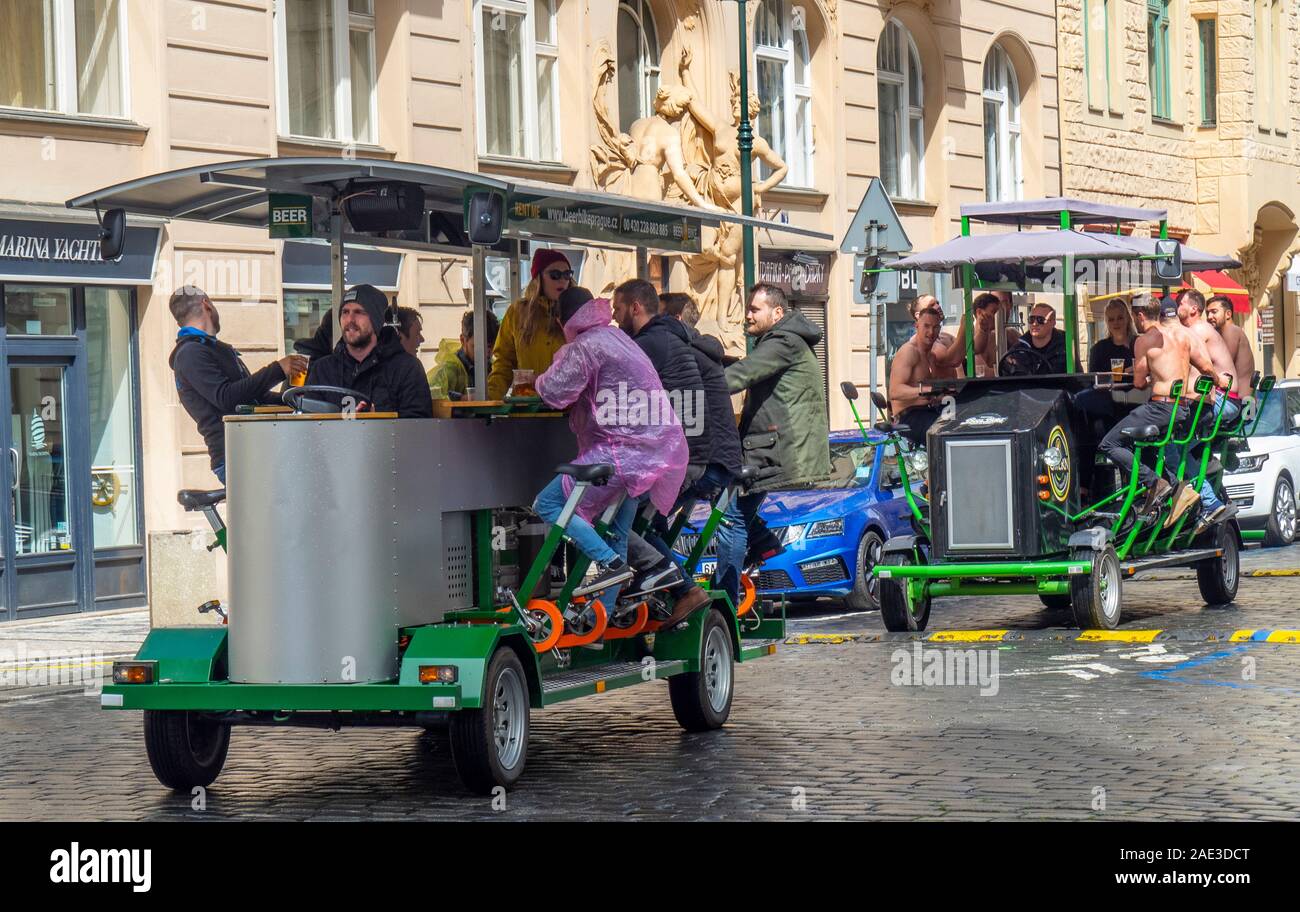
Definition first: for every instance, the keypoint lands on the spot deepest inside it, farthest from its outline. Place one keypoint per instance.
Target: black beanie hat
(372, 299)
(571, 301)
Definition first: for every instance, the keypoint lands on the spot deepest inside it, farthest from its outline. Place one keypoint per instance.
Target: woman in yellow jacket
(530, 331)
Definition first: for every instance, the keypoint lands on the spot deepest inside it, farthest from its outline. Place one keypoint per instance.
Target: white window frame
(341, 49)
(1010, 170)
(913, 111)
(800, 172)
(64, 65)
(649, 67)
(532, 50)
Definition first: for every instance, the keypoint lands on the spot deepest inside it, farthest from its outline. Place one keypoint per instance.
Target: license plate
(707, 568)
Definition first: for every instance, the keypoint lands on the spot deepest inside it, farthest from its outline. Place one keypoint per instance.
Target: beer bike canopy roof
(237, 193)
(1039, 247)
(1049, 211)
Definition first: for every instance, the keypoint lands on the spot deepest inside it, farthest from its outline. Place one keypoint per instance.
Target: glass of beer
(298, 378)
(1116, 369)
(521, 384)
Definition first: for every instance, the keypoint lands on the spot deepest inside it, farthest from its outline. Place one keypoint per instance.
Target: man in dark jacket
(783, 423)
(211, 378)
(370, 359)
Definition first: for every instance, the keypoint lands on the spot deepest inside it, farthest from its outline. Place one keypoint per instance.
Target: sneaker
(1155, 497)
(694, 599)
(1209, 518)
(1184, 499)
(613, 573)
(663, 575)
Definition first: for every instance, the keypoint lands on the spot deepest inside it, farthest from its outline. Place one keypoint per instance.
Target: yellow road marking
(834, 639)
(1284, 636)
(1239, 636)
(1117, 636)
(1286, 572)
(968, 636)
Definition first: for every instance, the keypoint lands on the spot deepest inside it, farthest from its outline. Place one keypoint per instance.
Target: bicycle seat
(1144, 434)
(192, 499)
(596, 473)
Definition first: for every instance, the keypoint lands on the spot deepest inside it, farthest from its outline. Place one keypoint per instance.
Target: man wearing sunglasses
(1045, 340)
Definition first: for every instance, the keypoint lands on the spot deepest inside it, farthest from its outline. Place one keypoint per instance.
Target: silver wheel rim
(1108, 586)
(509, 712)
(1229, 561)
(873, 557)
(717, 668)
(1286, 511)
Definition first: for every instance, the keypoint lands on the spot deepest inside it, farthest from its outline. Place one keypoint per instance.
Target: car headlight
(791, 534)
(826, 527)
(1053, 457)
(918, 463)
(1248, 463)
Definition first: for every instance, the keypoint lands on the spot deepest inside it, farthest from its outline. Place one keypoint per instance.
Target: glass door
(41, 570)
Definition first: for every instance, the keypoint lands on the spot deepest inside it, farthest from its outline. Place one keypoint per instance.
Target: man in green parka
(453, 367)
(783, 425)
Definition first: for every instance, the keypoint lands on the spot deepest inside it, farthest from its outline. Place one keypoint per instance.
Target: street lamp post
(745, 142)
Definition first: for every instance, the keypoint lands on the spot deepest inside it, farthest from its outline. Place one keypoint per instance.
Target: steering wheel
(296, 398)
(1023, 361)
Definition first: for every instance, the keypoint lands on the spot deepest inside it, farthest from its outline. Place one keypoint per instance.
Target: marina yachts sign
(34, 249)
(597, 222)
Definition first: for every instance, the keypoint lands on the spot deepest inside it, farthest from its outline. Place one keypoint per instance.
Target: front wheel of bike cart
(1218, 577)
(898, 611)
(1096, 595)
(702, 699)
(489, 745)
(185, 749)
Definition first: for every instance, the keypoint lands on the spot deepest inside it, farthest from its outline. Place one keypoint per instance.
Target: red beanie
(546, 257)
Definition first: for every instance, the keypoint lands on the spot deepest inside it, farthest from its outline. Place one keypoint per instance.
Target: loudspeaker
(485, 217)
(386, 207)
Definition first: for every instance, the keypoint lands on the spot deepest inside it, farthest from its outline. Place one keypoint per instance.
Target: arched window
(783, 62)
(902, 115)
(638, 62)
(1002, 175)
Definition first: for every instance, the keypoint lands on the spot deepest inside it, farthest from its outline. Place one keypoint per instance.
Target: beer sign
(289, 215)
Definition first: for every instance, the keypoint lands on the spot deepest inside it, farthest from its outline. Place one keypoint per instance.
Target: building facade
(945, 101)
(1190, 106)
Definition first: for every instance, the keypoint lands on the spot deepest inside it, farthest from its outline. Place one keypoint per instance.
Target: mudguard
(897, 543)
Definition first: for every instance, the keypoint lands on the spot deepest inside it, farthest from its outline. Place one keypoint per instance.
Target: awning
(1217, 283)
(1048, 212)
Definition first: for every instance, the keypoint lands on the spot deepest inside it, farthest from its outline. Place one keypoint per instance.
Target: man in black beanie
(370, 359)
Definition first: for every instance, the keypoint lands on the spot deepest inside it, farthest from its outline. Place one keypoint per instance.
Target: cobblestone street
(1187, 726)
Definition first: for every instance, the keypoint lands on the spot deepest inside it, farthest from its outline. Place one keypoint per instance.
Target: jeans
(220, 472)
(1231, 410)
(550, 504)
(1121, 451)
(730, 537)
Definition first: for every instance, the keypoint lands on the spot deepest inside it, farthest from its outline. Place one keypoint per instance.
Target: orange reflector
(600, 687)
(1043, 479)
(438, 674)
(133, 672)
(1043, 495)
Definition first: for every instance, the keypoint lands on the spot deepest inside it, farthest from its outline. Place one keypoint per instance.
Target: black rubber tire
(1056, 602)
(862, 598)
(185, 750)
(473, 739)
(1090, 593)
(689, 692)
(894, 609)
(1219, 577)
(1274, 537)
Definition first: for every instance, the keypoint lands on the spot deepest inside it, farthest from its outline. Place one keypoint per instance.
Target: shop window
(1209, 71)
(638, 62)
(114, 484)
(516, 55)
(38, 310)
(902, 115)
(783, 65)
(303, 312)
(327, 69)
(1002, 170)
(1158, 66)
(65, 56)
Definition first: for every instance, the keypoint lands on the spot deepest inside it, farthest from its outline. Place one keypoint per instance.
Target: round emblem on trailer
(1059, 476)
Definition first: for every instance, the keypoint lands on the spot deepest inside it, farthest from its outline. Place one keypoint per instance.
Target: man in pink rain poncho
(614, 399)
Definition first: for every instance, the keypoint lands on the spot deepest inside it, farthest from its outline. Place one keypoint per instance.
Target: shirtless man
(1161, 356)
(944, 342)
(1218, 311)
(986, 308)
(914, 365)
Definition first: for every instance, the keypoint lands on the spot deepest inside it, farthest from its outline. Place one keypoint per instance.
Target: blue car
(833, 534)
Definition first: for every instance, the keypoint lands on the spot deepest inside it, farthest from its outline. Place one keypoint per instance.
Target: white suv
(1264, 484)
